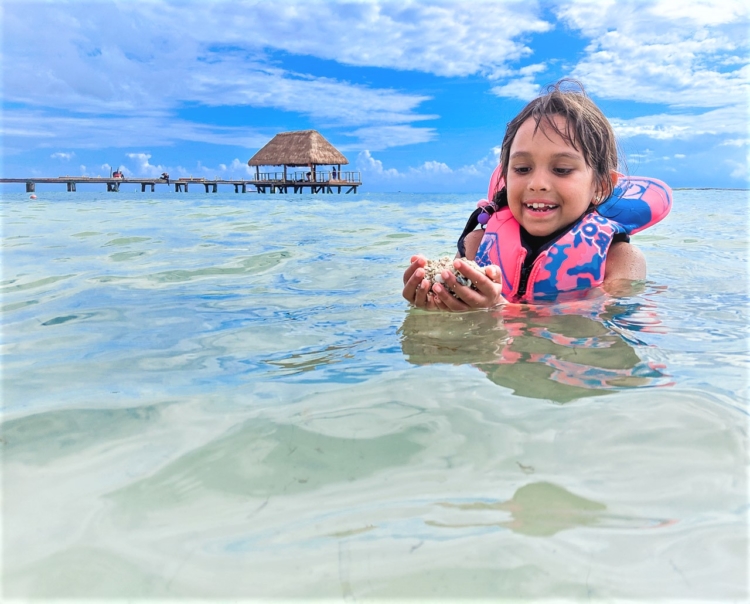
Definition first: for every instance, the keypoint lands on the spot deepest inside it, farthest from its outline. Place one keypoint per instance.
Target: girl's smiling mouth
(540, 207)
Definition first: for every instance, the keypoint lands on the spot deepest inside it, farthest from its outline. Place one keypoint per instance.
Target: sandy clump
(434, 267)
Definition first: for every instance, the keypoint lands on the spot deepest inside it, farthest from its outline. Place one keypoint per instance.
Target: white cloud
(42, 128)
(81, 63)
(671, 73)
(651, 126)
(430, 175)
(593, 16)
(377, 138)
(522, 87)
(124, 86)
(740, 170)
(240, 166)
(664, 51)
(232, 82)
(434, 167)
(199, 169)
(237, 168)
(367, 163)
(143, 166)
(429, 169)
(444, 38)
(724, 121)
(129, 81)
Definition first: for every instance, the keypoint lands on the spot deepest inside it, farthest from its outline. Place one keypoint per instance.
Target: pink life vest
(576, 260)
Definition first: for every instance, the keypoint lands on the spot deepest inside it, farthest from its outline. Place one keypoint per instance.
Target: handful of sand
(434, 267)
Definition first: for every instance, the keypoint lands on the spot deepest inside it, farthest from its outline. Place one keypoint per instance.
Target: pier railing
(267, 182)
(320, 176)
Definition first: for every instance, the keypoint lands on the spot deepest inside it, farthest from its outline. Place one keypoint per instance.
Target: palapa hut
(296, 149)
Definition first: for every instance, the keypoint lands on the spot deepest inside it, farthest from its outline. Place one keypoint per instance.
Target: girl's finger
(448, 299)
(417, 262)
(421, 294)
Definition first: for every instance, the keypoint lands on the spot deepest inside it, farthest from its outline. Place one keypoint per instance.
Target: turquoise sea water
(224, 396)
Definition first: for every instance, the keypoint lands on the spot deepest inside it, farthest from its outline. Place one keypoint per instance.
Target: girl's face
(549, 184)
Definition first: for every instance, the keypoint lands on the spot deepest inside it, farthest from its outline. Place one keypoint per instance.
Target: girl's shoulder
(625, 261)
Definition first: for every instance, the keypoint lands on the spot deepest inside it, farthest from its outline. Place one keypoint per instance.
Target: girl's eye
(521, 169)
(562, 171)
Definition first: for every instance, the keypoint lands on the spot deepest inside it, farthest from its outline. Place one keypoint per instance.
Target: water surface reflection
(559, 352)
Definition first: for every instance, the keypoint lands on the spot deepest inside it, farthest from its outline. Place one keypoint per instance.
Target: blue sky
(415, 94)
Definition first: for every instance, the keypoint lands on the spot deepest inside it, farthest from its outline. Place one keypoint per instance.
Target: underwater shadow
(542, 509)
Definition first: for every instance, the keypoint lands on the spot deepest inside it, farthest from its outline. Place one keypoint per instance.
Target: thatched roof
(299, 148)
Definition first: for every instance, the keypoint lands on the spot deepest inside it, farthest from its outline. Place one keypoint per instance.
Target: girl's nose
(538, 181)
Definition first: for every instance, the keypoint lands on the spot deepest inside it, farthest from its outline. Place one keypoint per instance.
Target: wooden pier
(271, 182)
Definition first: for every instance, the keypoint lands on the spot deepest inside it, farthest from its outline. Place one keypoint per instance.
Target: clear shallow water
(224, 396)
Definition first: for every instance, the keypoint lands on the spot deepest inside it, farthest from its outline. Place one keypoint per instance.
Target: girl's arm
(625, 262)
(471, 243)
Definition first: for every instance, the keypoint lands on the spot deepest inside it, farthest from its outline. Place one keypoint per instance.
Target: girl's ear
(614, 176)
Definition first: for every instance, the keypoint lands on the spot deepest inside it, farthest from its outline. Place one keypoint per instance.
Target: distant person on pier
(335, 174)
(307, 176)
(165, 176)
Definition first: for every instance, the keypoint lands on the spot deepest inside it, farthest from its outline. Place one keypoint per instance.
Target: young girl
(559, 216)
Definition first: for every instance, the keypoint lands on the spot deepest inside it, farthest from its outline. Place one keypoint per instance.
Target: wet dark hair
(586, 129)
